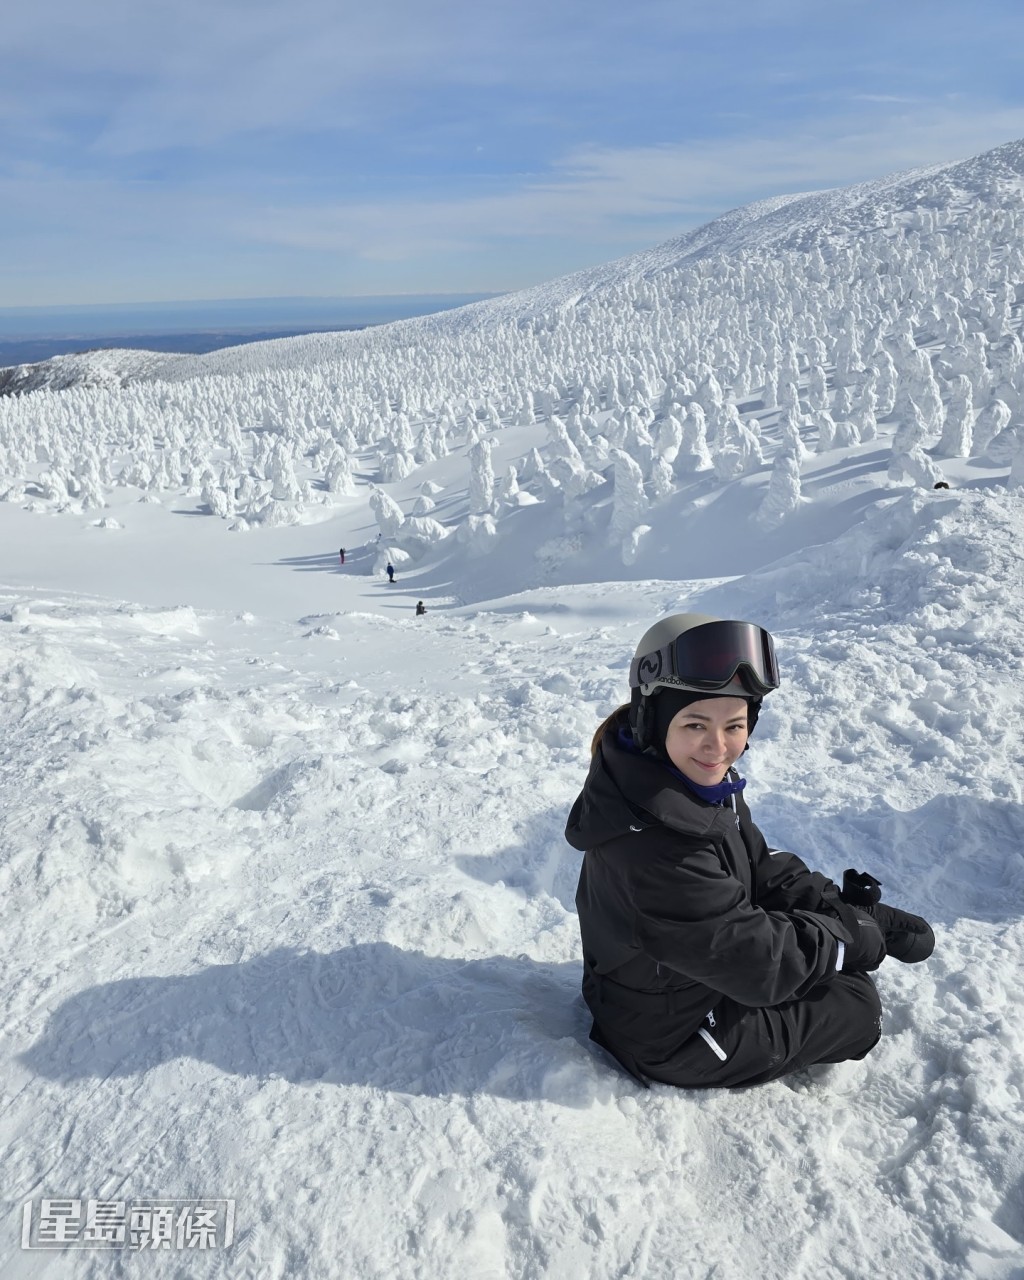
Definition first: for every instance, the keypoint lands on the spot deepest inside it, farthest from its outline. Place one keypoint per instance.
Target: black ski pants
(738, 1045)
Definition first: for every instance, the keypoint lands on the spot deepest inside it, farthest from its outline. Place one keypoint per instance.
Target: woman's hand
(907, 937)
(866, 950)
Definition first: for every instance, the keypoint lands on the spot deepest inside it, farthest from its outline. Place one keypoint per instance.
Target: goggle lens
(710, 655)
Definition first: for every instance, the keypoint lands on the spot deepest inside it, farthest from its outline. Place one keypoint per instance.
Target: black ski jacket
(680, 903)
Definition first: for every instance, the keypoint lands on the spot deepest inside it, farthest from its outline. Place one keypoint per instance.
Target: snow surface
(290, 914)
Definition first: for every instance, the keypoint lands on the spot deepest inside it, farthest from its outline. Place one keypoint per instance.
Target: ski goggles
(708, 657)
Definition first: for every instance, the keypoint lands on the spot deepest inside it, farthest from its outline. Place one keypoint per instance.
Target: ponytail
(617, 720)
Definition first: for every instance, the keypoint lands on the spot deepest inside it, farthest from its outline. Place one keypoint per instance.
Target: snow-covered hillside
(586, 418)
(290, 914)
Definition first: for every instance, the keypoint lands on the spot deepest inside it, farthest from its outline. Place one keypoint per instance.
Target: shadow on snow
(370, 1014)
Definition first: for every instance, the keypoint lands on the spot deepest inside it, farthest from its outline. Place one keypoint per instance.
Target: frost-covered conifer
(885, 382)
(789, 435)
(387, 513)
(283, 480)
(842, 405)
(216, 500)
(669, 438)
(506, 490)
(958, 430)
(600, 453)
(396, 466)
(911, 431)
(770, 391)
(748, 446)
(629, 502)
(1003, 447)
(401, 435)
(693, 453)
(660, 483)
(916, 466)
(53, 488)
(783, 495)
(420, 533)
(531, 466)
(991, 420)
(847, 356)
(481, 477)
(789, 397)
(817, 388)
(846, 435)
(826, 426)
(561, 446)
(90, 491)
(424, 451)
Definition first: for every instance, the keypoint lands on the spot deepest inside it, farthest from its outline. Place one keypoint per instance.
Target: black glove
(859, 889)
(907, 938)
(866, 949)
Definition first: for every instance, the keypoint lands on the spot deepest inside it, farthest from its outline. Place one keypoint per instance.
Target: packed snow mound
(900, 644)
(915, 558)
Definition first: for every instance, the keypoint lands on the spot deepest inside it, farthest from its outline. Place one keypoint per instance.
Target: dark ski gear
(694, 930)
(859, 889)
(907, 937)
(867, 951)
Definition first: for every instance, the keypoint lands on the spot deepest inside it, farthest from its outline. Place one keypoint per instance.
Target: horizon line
(263, 298)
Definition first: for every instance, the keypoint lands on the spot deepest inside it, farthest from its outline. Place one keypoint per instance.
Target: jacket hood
(628, 792)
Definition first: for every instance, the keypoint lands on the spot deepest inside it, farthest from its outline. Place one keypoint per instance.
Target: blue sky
(247, 148)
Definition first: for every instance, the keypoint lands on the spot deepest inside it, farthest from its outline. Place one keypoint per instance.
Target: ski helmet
(690, 656)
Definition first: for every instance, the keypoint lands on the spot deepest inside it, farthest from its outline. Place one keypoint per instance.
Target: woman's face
(706, 737)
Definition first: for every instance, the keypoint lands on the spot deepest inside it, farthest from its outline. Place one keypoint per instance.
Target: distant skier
(421, 609)
(390, 571)
(708, 958)
(342, 554)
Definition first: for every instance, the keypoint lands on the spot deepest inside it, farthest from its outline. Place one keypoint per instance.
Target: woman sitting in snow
(708, 958)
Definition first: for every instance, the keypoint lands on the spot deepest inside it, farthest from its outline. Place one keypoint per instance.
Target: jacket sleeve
(692, 915)
(783, 882)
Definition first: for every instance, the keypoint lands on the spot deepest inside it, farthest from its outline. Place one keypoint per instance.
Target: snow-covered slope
(821, 219)
(294, 925)
(290, 912)
(884, 315)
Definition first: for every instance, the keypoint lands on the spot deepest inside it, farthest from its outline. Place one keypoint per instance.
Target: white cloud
(233, 233)
(198, 71)
(634, 195)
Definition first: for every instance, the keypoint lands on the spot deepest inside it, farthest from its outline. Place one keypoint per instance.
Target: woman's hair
(612, 724)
